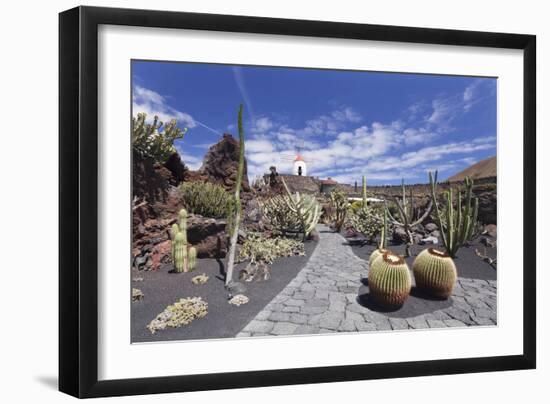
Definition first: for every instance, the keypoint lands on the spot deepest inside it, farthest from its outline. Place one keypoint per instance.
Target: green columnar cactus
(182, 223)
(305, 207)
(234, 207)
(180, 253)
(383, 239)
(389, 280)
(192, 258)
(339, 201)
(435, 273)
(408, 214)
(457, 228)
(364, 194)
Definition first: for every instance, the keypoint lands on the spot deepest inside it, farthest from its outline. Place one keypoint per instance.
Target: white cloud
(154, 104)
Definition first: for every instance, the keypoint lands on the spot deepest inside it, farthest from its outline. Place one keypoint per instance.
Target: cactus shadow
(417, 304)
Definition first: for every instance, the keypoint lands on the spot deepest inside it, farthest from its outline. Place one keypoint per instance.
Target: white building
(299, 166)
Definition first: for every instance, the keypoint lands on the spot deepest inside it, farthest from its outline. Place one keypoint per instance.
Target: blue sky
(386, 126)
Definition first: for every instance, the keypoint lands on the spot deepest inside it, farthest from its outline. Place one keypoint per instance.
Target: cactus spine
(457, 228)
(389, 280)
(305, 207)
(435, 273)
(181, 252)
(234, 207)
(408, 214)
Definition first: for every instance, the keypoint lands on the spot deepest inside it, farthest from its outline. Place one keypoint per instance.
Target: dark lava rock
(177, 168)
(430, 227)
(399, 235)
(207, 236)
(220, 164)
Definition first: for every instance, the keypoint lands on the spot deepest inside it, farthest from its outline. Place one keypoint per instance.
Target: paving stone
(399, 324)
(259, 326)
(294, 302)
(483, 321)
(279, 316)
(291, 309)
(454, 323)
(347, 325)
(436, 323)
(306, 329)
(364, 326)
(326, 331)
(284, 328)
(417, 322)
(313, 310)
(298, 318)
(263, 315)
(330, 320)
(304, 295)
(243, 334)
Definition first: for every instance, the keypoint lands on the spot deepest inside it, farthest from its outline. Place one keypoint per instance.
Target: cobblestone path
(322, 298)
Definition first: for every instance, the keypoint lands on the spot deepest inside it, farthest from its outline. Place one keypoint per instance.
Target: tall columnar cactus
(234, 207)
(389, 280)
(182, 223)
(305, 207)
(180, 253)
(192, 257)
(339, 201)
(364, 191)
(408, 214)
(383, 240)
(435, 273)
(460, 226)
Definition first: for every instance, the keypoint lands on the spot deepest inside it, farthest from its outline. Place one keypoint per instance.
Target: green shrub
(205, 198)
(155, 140)
(368, 221)
(278, 214)
(259, 249)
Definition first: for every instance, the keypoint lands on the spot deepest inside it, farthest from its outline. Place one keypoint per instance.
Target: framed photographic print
(251, 201)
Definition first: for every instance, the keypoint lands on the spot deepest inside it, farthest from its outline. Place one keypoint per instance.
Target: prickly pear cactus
(389, 280)
(192, 256)
(180, 253)
(435, 272)
(375, 254)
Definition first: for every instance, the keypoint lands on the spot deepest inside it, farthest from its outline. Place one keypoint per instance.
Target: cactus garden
(246, 224)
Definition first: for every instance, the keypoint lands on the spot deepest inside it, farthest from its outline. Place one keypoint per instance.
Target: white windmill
(299, 166)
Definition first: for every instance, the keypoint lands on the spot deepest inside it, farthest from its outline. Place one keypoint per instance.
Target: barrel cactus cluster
(389, 280)
(184, 256)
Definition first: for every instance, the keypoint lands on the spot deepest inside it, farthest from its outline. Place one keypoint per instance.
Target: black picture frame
(78, 196)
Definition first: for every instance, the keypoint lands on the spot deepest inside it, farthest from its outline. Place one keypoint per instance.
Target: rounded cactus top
(438, 253)
(179, 237)
(392, 258)
(183, 213)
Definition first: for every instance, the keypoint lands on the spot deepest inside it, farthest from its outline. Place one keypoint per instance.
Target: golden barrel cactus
(375, 254)
(389, 280)
(435, 273)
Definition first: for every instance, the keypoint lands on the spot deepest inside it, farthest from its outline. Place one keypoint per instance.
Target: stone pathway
(322, 298)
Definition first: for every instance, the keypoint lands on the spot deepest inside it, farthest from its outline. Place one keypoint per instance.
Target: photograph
(272, 201)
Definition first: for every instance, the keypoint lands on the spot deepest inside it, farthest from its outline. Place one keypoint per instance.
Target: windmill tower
(299, 166)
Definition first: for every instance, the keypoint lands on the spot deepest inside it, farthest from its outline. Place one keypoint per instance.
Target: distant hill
(481, 169)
